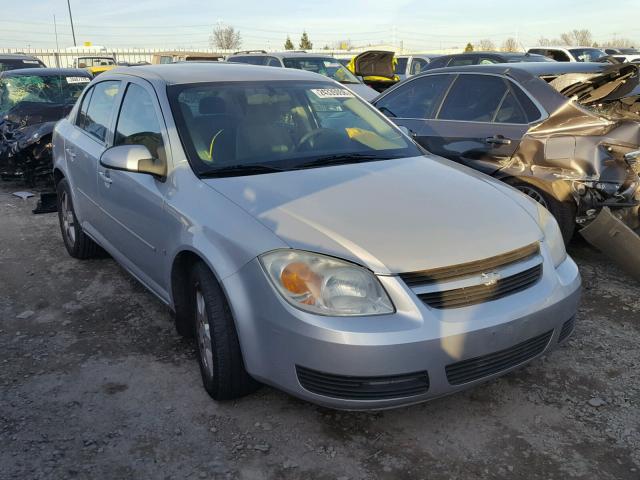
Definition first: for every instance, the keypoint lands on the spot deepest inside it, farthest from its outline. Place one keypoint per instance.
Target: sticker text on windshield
(332, 93)
(77, 80)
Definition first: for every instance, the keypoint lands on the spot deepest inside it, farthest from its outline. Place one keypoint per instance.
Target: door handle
(71, 153)
(498, 140)
(106, 177)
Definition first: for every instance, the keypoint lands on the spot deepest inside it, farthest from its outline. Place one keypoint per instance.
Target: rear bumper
(453, 346)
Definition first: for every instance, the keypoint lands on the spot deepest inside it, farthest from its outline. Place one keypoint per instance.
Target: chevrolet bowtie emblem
(489, 279)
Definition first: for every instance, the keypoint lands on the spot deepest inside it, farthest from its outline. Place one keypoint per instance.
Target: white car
(570, 54)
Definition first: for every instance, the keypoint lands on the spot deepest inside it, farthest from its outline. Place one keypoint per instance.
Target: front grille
(463, 297)
(567, 329)
(363, 388)
(486, 365)
(413, 279)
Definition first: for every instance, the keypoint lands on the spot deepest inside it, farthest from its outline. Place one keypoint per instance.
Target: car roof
(194, 72)
(46, 72)
(538, 69)
(290, 54)
(16, 56)
(559, 47)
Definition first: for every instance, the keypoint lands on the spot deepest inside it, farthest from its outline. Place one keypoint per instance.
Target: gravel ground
(96, 384)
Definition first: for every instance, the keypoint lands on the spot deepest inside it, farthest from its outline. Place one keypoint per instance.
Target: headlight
(552, 235)
(325, 285)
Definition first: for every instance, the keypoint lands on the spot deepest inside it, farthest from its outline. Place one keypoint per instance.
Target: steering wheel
(308, 137)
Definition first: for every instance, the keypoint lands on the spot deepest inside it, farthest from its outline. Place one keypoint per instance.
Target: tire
(77, 243)
(221, 364)
(564, 212)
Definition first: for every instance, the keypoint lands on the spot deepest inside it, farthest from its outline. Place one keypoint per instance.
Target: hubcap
(68, 219)
(204, 334)
(533, 193)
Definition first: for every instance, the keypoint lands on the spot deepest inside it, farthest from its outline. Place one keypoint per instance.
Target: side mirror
(133, 158)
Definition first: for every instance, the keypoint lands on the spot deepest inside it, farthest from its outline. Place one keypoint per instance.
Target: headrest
(212, 106)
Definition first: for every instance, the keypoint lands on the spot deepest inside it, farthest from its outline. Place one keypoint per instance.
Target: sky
(420, 25)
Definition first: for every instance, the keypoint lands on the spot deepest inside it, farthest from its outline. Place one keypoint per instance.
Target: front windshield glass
(284, 125)
(587, 54)
(51, 89)
(529, 58)
(327, 66)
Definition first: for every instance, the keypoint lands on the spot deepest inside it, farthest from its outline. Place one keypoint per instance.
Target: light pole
(73, 33)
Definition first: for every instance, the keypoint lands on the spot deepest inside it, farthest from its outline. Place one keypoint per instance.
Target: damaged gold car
(566, 134)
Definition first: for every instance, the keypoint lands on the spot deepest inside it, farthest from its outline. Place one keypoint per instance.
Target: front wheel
(563, 212)
(221, 364)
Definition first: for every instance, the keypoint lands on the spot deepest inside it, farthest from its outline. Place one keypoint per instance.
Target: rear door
(133, 203)
(480, 122)
(84, 146)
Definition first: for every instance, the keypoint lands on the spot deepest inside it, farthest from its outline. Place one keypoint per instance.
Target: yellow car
(376, 67)
(95, 65)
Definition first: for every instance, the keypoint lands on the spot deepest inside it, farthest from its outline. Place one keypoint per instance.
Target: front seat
(217, 128)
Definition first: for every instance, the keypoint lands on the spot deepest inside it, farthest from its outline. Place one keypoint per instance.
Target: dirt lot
(95, 384)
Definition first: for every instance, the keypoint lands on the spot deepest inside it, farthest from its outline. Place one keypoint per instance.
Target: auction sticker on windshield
(332, 93)
(77, 80)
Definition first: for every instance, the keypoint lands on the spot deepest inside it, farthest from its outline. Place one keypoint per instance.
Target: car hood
(373, 63)
(392, 216)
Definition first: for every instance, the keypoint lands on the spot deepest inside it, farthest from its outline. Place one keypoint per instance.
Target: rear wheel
(77, 243)
(221, 364)
(564, 212)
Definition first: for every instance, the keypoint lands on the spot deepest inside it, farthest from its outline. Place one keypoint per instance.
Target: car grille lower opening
(567, 329)
(466, 296)
(486, 365)
(363, 388)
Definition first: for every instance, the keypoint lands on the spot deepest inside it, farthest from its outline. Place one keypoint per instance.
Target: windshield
(95, 62)
(327, 66)
(52, 89)
(587, 54)
(15, 63)
(285, 125)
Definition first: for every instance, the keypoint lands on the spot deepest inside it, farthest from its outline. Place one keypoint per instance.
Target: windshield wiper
(239, 170)
(341, 159)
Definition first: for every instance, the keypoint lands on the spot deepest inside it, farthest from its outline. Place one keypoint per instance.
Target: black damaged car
(566, 134)
(32, 100)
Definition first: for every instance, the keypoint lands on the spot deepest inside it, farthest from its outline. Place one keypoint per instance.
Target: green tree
(468, 48)
(288, 45)
(305, 43)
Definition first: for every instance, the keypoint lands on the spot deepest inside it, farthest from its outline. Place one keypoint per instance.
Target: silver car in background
(311, 62)
(304, 240)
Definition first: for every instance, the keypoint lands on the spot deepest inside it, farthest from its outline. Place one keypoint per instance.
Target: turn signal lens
(325, 285)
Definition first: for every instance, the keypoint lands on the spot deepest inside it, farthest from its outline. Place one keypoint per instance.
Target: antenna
(71, 19)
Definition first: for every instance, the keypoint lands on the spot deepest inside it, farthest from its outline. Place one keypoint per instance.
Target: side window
(530, 110)
(558, 56)
(418, 65)
(462, 60)
(138, 123)
(439, 62)
(488, 60)
(273, 62)
(417, 98)
(401, 66)
(81, 121)
(101, 105)
(473, 98)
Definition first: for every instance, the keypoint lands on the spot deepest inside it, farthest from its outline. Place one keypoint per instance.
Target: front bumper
(278, 339)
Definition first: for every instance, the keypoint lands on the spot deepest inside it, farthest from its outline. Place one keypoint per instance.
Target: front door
(133, 203)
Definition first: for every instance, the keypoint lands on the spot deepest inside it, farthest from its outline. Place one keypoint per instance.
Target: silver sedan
(304, 240)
